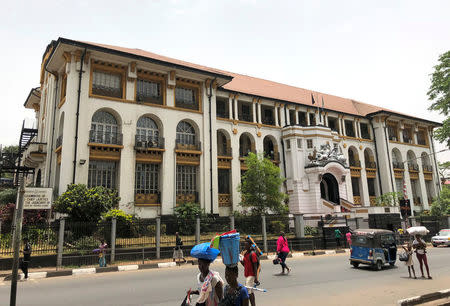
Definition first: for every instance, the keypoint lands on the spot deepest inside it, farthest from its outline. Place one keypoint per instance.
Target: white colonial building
(163, 131)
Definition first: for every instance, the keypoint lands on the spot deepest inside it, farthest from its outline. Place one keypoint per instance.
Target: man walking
(177, 251)
(26, 257)
(338, 235)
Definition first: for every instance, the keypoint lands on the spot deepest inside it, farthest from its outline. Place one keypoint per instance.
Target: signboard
(405, 208)
(37, 198)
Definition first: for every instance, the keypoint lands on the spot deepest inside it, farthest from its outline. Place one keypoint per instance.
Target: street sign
(37, 198)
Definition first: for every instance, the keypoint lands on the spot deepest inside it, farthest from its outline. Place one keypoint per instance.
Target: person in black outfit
(177, 251)
(26, 257)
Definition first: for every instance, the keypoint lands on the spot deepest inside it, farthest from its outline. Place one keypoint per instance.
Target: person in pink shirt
(283, 251)
(349, 238)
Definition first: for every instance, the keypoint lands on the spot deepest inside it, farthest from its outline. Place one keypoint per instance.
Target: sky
(378, 52)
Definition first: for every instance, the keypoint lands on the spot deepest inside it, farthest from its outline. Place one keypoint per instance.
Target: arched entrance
(329, 188)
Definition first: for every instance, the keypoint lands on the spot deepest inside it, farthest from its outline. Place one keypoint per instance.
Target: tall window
(349, 128)
(147, 131)
(371, 186)
(104, 129)
(246, 112)
(105, 83)
(245, 145)
(302, 118)
(312, 119)
(224, 181)
(102, 173)
(147, 178)
(186, 179)
(222, 148)
(399, 185)
(292, 116)
(149, 91)
(392, 132)
(185, 133)
(365, 134)
(267, 116)
(422, 137)
(222, 107)
(355, 186)
(333, 123)
(186, 97)
(407, 134)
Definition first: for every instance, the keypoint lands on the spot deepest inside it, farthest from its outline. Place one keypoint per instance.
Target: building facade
(163, 132)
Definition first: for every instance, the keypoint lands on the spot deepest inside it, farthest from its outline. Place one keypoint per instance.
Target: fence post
(299, 224)
(0, 226)
(448, 221)
(158, 237)
(264, 233)
(231, 222)
(113, 239)
(197, 230)
(62, 224)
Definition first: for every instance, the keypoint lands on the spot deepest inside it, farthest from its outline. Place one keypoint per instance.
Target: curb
(417, 300)
(161, 265)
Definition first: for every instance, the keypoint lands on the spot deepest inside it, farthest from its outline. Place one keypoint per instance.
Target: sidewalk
(151, 264)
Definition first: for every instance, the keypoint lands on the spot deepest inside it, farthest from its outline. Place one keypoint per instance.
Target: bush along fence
(64, 243)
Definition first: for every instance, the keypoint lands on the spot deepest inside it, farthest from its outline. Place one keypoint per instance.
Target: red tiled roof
(264, 88)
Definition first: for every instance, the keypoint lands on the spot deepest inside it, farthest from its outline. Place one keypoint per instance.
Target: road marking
(330, 252)
(272, 257)
(166, 264)
(298, 254)
(83, 271)
(37, 275)
(128, 267)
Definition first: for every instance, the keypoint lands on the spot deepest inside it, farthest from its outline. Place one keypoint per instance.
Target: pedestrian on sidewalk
(102, 253)
(210, 285)
(409, 263)
(234, 294)
(337, 236)
(349, 239)
(177, 251)
(283, 251)
(250, 263)
(421, 252)
(26, 257)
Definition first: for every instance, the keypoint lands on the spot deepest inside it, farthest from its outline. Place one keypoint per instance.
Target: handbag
(403, 256)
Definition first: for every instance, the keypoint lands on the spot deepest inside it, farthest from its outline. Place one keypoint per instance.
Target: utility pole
(17, 231)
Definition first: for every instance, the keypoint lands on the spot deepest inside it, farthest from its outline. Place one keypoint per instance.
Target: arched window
(104, 129)
(222, 145)
(369, 159)
(353, 157)
(397, 159)
(147, 132)
(245, 145)
(269, 148)
(185, 133)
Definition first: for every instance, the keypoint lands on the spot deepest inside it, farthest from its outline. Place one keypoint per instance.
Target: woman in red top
(283, 251)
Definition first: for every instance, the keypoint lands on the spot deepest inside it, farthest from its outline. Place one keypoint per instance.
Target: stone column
(113, 239)
(358, 125)
(236, 114)
(288, 117)
(254, 111)
(299, 224)
(296, 116)
(230, 107)
(340, 125)
(344, 132)
(282, 115)
(423, 187)
(276, 114)
(365, 199)
(259, 112)
(308, 122)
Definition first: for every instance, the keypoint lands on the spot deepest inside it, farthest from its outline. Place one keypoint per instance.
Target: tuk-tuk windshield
(387, 239)
(361, 240)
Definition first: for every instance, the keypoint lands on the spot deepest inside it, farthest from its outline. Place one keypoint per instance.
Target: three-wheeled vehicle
(374, 247)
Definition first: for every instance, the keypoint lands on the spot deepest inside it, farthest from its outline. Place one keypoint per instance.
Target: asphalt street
(319, 280)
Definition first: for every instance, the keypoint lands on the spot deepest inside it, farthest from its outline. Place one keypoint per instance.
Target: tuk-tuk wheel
(379, 265)
(355, 264)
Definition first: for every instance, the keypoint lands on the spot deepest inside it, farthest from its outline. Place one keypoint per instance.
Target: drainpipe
(53, 126)
(284, 158)
(376, 154)
(77, 116)
(389, 159)
(210, 147)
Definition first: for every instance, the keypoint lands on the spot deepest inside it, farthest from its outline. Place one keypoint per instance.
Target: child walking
(409, 263)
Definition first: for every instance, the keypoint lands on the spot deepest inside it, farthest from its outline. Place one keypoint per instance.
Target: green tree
(389, 199)
(261, 186)
(443, 168)
(186, 214)
(86, 204)
(441, 205)
(12, 151)
(439, 93)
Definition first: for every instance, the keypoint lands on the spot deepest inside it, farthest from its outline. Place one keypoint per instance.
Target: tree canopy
(261, 186)
(439, 94)
(441, 205)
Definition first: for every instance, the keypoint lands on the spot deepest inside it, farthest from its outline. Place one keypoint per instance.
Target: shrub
(8, 196)
(311, 231)
(29, 216)
(277, 227)
(36, 235)
(186, 217)
(124, 224)
(83, 204)
(151, 229)
(5, 241)
(87, 243)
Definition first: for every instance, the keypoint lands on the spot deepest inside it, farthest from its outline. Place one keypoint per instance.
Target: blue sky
(378, 52)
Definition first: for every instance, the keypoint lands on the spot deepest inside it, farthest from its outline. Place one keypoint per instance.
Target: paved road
(321, 280)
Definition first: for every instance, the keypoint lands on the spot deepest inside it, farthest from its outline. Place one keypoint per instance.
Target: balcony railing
(422, 142)
(59, 141)
(371, 165)
(197, 146)
(355, 163)
(413, 167)
(225, 152)
(392, 137)
(365, 136)
(246, 117)
(243, 153)
(103, 137)
(145, 142)
(187, 197)
(398, 165)
(268, 121)
(427, 168)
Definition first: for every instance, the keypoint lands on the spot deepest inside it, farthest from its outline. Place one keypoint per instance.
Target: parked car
(442, 238)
